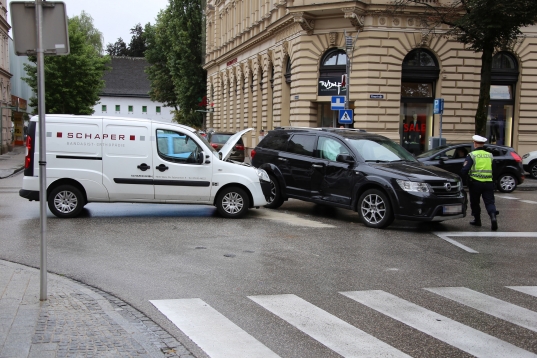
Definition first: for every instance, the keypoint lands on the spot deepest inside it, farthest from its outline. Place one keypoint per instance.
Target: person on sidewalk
(478, 168)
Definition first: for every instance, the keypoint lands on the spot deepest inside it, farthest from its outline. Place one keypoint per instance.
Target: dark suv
(352, 169)
(508, 170)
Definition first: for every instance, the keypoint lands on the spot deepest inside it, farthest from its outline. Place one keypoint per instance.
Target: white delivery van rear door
(178, 177)
(127, 159)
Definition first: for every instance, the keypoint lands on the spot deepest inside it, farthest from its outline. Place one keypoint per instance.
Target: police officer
(478, 168)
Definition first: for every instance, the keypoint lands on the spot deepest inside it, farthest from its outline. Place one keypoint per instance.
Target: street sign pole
(42, 146)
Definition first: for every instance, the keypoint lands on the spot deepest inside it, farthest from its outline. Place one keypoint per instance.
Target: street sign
(438, 107)
(376, 96)
(55, 35)
(338, 102)
(345, 116)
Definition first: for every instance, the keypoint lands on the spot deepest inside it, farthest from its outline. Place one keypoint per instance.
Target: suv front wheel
(275, 199)
(375, 209)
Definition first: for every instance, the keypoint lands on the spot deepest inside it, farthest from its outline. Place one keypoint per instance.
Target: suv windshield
(380, 150)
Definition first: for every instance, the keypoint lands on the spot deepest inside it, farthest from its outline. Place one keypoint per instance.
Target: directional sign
(345, 116)
(338, 102)
(438, 107)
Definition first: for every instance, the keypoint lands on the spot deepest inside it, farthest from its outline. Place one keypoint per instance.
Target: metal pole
(440, 140)
(42, 146)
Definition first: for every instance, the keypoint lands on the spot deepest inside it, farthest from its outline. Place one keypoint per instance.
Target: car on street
(218, 139)
(508, 170)
(356, 170)
(529, 162)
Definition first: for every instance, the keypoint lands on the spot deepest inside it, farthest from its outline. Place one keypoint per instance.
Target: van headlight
(262, 175)
(413, 186)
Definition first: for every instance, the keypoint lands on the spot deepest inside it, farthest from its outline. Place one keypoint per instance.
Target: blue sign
(438, 107)
(345, 116)
(338, 102)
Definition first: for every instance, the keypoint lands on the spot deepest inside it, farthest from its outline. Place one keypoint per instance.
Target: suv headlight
(262, 175)
(413, 186)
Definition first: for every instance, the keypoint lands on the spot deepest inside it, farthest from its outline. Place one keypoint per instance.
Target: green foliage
(175, 51)
(119, 48)
(136, 47)
(72, 82)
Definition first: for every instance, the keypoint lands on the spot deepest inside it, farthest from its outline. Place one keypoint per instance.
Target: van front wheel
(232, 202)
(65, 201)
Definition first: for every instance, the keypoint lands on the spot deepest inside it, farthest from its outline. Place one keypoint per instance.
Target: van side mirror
(345, 158)
(220, 155)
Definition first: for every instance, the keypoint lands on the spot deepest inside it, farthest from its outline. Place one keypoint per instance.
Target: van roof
(78, 117)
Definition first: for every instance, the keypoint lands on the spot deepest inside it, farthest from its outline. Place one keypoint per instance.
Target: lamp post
(2, 126)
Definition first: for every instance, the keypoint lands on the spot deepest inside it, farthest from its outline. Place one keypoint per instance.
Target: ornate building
(279, 62)
(6, 137)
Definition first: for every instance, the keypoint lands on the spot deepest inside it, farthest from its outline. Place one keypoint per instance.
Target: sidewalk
(75, 321)
(12, 162)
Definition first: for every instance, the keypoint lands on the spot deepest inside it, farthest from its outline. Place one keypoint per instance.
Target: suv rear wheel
(275, 199)
(375, 209)
(506, 183)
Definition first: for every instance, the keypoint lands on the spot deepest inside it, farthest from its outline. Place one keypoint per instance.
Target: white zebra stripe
(507, 311)
(327, 329)
(529, 290)
(211, 331)
(445, 329)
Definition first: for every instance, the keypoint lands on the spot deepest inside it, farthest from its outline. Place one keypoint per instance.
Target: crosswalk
(219, 337)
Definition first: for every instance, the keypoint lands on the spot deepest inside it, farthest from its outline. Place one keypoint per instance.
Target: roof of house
(126, 78)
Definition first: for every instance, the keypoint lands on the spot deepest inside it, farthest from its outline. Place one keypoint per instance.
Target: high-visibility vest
(481, 170)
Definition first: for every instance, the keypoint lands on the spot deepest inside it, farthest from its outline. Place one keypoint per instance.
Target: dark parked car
(508, 170)
(218, 139)
(355, 170)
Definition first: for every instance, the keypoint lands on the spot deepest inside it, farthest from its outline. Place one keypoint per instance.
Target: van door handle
(143, 167)
(162, 167)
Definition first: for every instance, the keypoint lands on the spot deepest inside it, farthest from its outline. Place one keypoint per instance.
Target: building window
(288, 70)
(333, 67)
(103, 108)
(131, 109)
(118, 108)
(144, 109)
(418, 82)
(504, 78)
(158, 109)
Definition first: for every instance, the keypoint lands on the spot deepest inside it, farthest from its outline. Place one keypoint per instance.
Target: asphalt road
(301, 280)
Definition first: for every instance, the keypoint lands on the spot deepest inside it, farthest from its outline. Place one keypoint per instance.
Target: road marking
(529, 201)
(445, 329)
(211, 331)
(493, 234)
(504, 310)
(506, 197)
(288, 219)
(528, 290)
(329, 330)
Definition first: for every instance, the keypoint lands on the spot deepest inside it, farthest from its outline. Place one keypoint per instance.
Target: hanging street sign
(338, 102)
(438, 107)
(345, 116)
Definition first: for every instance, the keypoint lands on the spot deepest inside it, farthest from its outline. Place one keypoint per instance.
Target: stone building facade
(6, 125)
(279, 62)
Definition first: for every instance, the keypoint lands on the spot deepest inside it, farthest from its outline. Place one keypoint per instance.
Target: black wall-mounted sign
(331, 86)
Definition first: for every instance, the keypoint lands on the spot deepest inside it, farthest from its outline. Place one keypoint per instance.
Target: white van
(111, 159)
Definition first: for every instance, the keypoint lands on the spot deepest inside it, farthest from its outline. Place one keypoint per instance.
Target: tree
(93, 36)
(137, 46)
(178, 34)
(485, 26)
(72, 82)
(119, 48)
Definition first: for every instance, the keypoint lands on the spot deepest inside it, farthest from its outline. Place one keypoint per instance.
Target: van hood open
(228, 147)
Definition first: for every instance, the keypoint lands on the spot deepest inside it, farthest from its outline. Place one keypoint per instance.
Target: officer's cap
(479, 139)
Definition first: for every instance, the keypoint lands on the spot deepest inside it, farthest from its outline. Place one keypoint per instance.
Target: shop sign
(331, 86)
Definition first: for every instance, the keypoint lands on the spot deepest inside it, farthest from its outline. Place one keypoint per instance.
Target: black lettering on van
(105, 135)
(88, 136)
(70, 135)
(121, 137)
(79, 135)
(113, 137)
(97, 136)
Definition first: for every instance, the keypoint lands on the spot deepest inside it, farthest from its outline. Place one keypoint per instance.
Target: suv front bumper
(427, 207)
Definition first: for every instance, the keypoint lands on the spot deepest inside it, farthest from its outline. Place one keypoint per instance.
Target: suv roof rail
(322, 128)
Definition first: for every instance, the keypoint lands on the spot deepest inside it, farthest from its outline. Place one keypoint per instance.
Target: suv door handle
(317, 165)
(283, 159)
(143, 167)
(162, 167)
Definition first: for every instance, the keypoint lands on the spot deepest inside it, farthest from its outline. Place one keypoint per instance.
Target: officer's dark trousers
(484, 189)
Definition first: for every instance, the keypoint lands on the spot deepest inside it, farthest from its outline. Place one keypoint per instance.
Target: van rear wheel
(232, 203)
(65, 201)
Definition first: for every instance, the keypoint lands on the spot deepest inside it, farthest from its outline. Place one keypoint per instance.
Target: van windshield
(380, 150)
(206, 143)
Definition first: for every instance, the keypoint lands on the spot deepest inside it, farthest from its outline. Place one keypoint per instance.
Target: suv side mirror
(345, 158)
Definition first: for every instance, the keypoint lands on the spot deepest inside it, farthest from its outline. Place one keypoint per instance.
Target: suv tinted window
(302, 144)
(275, 141)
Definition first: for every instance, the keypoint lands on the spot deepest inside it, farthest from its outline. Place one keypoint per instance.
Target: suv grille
(445, 187)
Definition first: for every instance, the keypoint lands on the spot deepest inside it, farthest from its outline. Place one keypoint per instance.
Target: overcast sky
(115, 18)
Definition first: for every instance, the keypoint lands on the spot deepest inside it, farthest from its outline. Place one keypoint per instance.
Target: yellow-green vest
(481, 170)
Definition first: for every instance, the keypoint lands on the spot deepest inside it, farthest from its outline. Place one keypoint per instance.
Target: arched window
(420, 71)
(504, 78)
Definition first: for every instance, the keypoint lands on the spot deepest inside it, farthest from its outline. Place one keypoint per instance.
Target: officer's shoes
(476, 222)
(493, 222)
